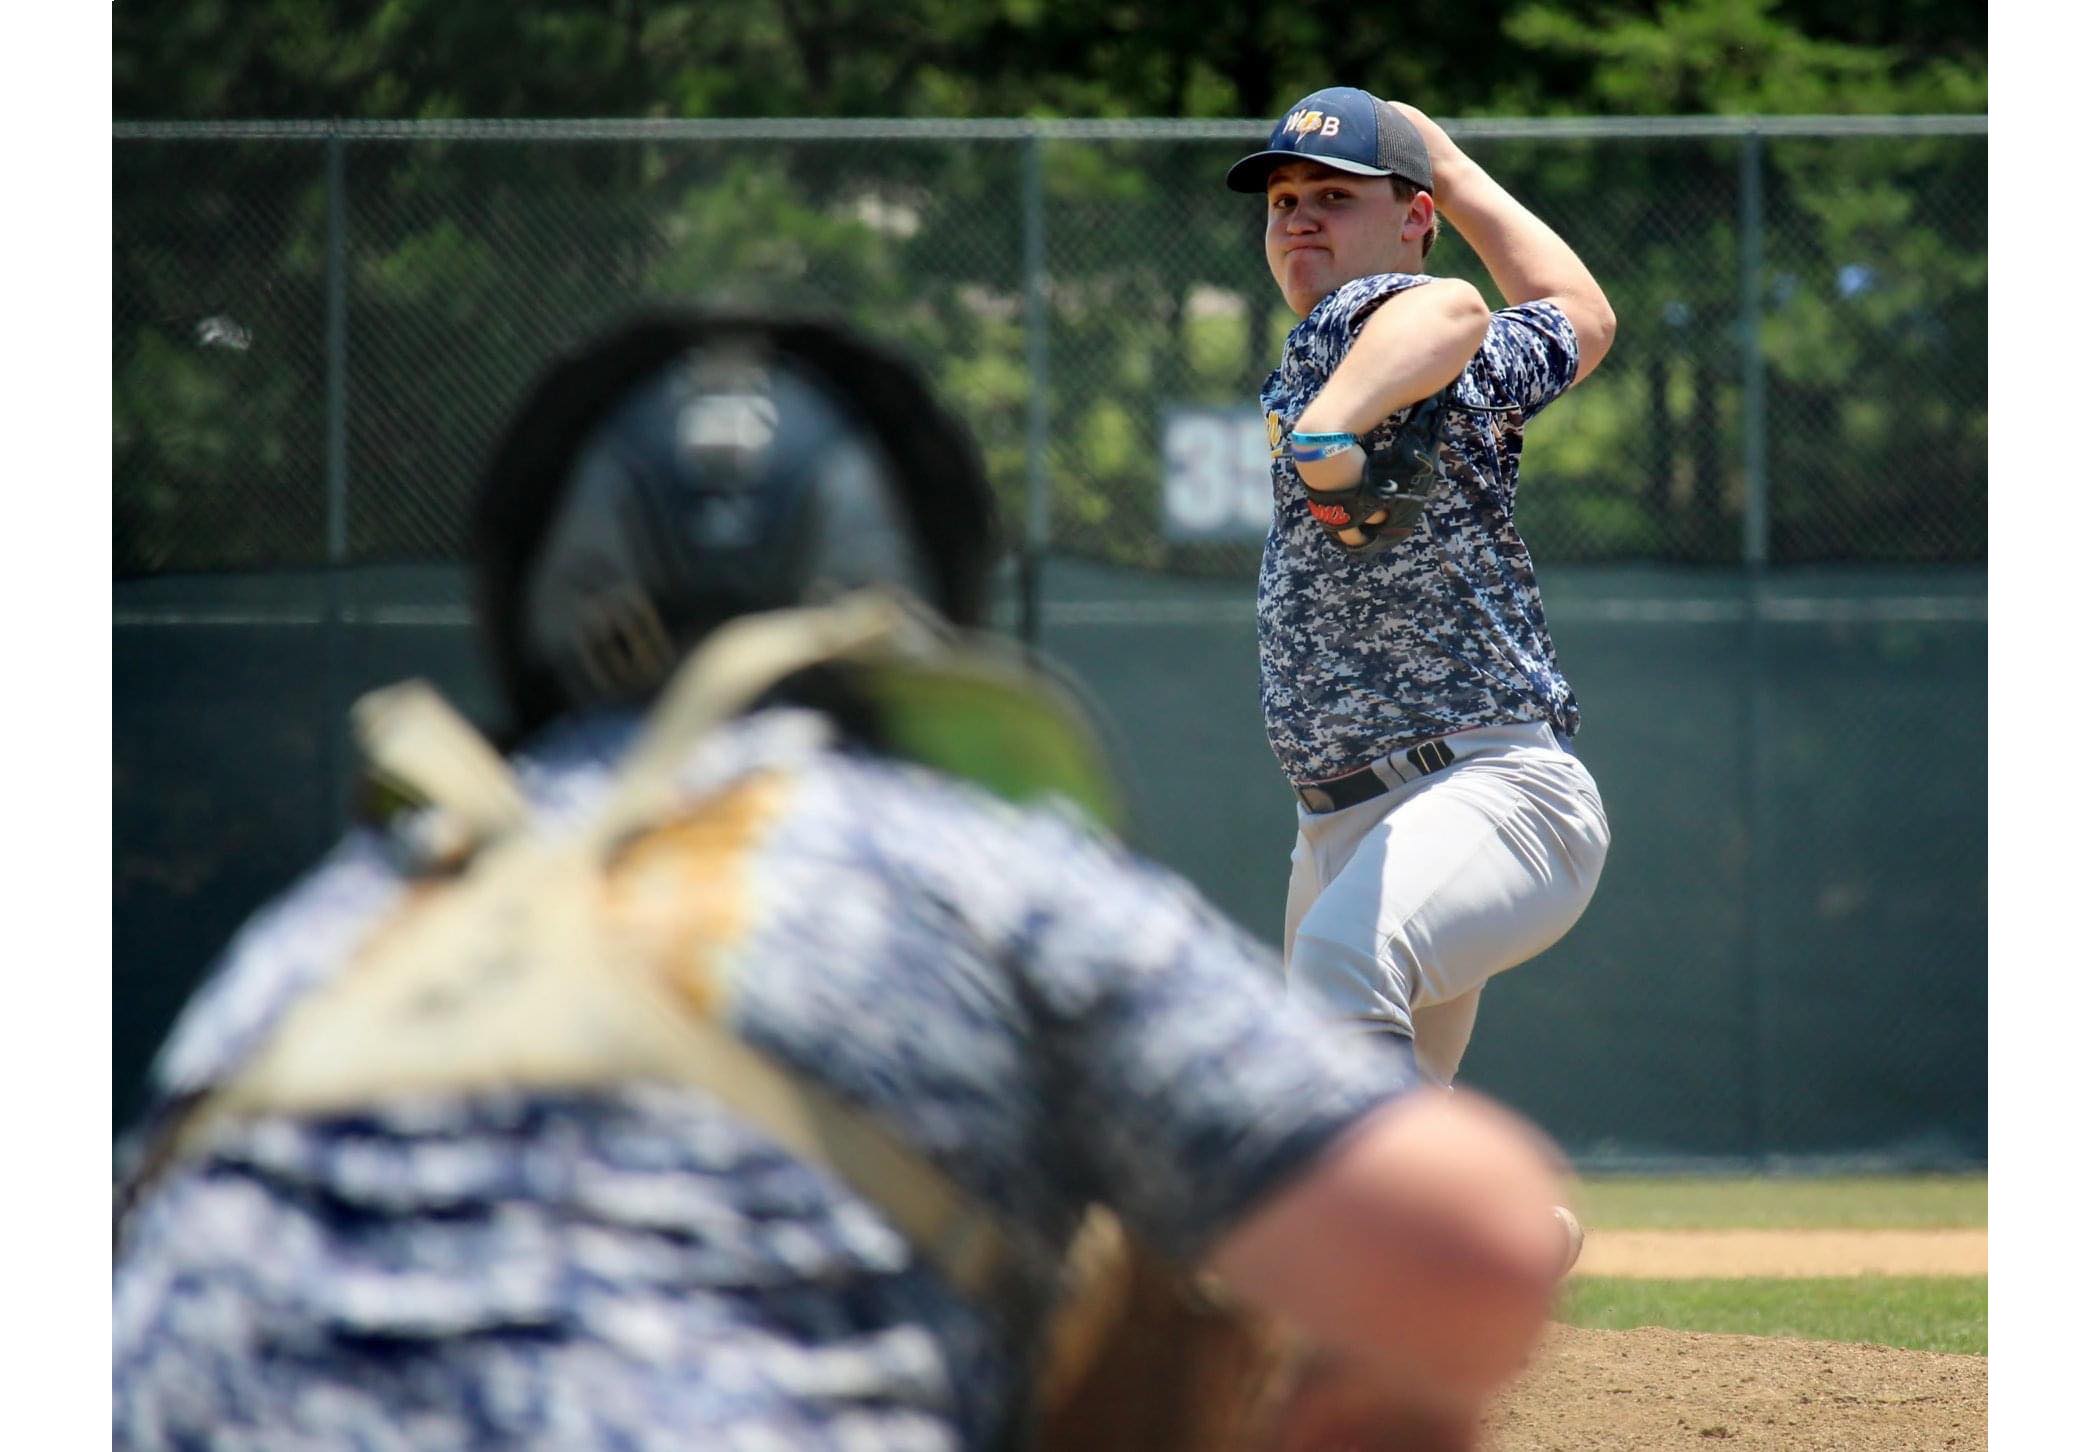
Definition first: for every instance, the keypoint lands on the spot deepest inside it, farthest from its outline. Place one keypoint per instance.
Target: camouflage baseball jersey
(1362, 656)
(1044, 1017)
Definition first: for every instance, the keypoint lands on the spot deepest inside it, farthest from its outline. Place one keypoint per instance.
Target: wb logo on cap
(1303, 123)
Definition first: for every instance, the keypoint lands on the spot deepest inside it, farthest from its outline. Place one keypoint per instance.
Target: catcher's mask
(691, 467)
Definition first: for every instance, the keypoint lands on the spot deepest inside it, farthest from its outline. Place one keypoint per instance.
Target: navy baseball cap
(1341, 127)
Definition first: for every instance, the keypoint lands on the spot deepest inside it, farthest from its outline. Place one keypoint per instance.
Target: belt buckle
(1429, 757)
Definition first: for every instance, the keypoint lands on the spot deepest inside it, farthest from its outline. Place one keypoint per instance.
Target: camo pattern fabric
(1365, 655)
(1048, 1019)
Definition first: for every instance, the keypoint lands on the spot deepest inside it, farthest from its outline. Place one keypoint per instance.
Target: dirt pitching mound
(1667, 1389)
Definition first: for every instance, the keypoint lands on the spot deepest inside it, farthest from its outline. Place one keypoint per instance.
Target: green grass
(1908, 1202)
(1927, 1313)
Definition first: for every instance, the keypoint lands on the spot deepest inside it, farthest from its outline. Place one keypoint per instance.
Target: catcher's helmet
(691, 467)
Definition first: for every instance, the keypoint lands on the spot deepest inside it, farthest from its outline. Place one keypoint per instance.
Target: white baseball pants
(1401, 907)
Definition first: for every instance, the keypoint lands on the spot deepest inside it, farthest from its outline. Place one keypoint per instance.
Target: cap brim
(1251, 173)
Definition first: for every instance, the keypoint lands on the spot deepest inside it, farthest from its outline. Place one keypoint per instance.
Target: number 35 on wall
(1214, 474)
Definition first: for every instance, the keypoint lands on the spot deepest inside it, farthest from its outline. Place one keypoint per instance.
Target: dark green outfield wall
(1784, 963)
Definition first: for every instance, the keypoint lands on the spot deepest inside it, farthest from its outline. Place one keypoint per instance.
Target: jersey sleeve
(1528, 357)
(1187, 1084)
(285, 948)
(1345, 310)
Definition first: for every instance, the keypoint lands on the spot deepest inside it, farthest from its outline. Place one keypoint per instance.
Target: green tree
(1872, 284)
(470, 260)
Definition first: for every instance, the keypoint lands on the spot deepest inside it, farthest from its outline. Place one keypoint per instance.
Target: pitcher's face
(1328, 227)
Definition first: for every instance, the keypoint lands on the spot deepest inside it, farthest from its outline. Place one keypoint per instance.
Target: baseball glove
(1399, 478)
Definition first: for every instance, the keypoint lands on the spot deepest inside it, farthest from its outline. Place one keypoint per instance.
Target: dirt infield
(1661, 1389)
(1664, 1389)
(1684, 1254)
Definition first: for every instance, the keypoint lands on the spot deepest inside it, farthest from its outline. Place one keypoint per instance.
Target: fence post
(334, 747)
(1757, 510)
(1757, 714)
(1034, 289)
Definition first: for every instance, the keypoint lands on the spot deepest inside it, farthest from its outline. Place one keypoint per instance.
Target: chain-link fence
(317, 330)
(1761, 524)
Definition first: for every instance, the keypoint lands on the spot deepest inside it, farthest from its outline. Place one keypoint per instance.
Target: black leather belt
(1365, 783)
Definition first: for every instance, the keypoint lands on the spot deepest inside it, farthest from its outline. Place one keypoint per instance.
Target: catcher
(776, 1050)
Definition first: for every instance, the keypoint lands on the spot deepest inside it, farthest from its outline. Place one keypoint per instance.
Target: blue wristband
(1309, 448)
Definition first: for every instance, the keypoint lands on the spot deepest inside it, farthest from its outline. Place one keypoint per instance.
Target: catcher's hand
(1394, 486)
